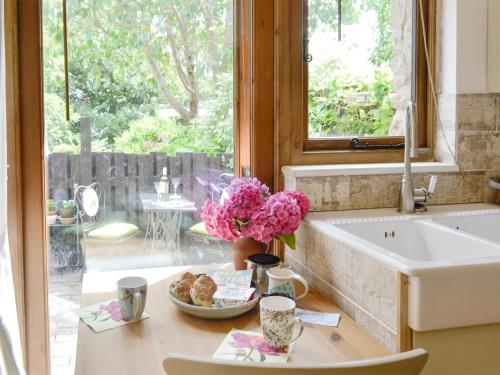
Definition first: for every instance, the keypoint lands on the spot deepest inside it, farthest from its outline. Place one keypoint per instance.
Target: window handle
(357, 145)
(305, 45)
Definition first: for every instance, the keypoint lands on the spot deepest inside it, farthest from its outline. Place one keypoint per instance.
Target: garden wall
(125, 176)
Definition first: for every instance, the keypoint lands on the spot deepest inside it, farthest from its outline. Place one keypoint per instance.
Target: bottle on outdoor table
(164, 186)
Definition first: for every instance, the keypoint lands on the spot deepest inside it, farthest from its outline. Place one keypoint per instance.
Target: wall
(467, 134)
(468, 125)
(361, 286)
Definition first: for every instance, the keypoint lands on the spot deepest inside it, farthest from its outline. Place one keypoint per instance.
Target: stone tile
(454, 188)
(479, 150)
(290, 182)
(361, 279)
(373, 191)
(498, 113)
(363, 288)
(476, 112)
(325, 193)
(379, 191)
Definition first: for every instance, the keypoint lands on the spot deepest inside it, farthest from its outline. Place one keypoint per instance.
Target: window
(357, 58)
(356, 78)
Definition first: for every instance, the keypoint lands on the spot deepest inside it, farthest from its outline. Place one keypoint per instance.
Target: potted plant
(68, 212)
(251, 217)
(51, 212)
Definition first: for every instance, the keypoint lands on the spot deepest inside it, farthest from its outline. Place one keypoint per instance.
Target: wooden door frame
(26, 192)
(25, 121)
(14, 202)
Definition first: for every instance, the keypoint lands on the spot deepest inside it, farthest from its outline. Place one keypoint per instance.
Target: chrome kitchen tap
(410, 199)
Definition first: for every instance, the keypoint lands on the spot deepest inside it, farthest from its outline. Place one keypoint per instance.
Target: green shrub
(155, 134)
(59, 132)
(334, 110)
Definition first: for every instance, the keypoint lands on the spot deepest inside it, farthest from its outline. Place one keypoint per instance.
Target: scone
(181, 289)
(203, 291)
(188, 276)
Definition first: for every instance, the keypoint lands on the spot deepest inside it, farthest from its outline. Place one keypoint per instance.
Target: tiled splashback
(472, 126)
(478, 131)
(378, 191)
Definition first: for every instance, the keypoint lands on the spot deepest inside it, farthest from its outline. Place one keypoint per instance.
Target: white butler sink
(454, 275)
(485, 224)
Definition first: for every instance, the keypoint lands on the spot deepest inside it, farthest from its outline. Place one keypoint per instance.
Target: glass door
(139, 133)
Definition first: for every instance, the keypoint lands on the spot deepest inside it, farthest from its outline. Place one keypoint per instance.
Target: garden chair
(407, 363)
(91, 214)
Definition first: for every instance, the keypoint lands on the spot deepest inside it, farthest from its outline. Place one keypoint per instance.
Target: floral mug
(277, 319)
(132, 293)
(281, 281)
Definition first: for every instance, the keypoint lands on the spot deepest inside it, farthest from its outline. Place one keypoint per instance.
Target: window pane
(150, 91)
(358, 85)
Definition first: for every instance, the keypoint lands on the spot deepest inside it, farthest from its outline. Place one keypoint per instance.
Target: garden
(159, 78)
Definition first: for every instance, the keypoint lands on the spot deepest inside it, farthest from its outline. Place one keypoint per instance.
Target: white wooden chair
(91, 214)
(406, 363)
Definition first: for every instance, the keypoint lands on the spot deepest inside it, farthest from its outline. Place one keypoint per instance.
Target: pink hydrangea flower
(237, 183)
(113, 309)
(302, 201)
(280, 215)
(244, 196)
(218, 222)
(248, 210)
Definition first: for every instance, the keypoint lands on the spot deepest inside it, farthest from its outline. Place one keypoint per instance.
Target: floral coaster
(249, 346)
(105, 315)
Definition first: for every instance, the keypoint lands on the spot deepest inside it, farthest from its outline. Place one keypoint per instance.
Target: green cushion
(114, 231)
(200, 229)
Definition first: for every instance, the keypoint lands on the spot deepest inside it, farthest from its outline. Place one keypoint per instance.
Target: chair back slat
(408, 363)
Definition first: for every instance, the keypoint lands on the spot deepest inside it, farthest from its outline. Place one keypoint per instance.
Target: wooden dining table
(141, 347)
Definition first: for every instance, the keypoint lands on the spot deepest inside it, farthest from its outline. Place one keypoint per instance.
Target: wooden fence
(125, 176)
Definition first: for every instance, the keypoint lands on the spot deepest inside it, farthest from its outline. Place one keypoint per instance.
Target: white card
(315, 317)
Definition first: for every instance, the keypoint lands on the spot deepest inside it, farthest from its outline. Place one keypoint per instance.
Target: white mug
(277, 319)
(281, 282)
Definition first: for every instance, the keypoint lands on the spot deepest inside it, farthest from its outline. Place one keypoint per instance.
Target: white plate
(213, 312)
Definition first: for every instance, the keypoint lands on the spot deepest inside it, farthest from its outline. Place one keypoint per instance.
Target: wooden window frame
(254, 93)
(292, 99)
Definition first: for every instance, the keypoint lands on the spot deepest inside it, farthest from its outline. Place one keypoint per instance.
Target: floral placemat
(249, 346)
(105, 315)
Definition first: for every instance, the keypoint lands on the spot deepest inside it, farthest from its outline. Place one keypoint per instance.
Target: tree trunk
(187, 115)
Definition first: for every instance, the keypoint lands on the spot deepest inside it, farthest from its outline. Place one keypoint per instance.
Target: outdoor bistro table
(141, 347)
(164, 219)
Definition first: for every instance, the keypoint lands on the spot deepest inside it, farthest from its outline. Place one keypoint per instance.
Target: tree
(181, 43)
(128, 59)
(323, 14)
